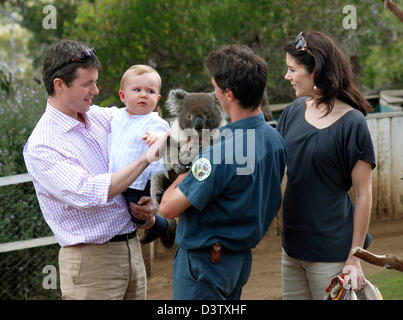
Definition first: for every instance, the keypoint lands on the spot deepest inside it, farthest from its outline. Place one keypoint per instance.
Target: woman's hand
(353, 269)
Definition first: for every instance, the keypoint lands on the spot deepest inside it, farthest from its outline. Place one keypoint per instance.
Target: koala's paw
(157, 188)
(158, 197)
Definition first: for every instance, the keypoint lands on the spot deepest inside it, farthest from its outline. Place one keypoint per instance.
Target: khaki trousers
(109, 271)
(304, 280)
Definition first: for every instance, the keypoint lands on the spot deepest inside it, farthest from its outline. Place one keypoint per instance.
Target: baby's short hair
(139, 69)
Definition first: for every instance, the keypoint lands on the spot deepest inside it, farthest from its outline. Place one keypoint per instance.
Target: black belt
(124, 237)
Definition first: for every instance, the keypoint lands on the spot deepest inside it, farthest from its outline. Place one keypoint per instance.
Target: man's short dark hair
(238, 69)
(56, 63)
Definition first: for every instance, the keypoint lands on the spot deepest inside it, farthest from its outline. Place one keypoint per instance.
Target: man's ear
(122, 96)
(58, 84)
(229, 94)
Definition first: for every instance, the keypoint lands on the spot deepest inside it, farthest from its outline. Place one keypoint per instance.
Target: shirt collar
(64, 121)
(137, 116)
(247, 123)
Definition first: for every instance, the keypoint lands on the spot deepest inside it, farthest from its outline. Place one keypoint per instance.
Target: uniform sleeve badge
(201, 169)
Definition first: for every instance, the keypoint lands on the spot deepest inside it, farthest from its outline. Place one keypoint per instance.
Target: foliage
(20, 215)
(150, 32)
(32, 13)
(22, 275)
(15, 58)
(5, 82)
(20, 110)
(175, 37)
(385, 73)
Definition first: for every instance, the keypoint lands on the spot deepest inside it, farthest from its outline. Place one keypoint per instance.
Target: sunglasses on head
(300, 44)
(83, 55)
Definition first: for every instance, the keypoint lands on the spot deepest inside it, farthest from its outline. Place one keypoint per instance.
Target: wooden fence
(387, 187)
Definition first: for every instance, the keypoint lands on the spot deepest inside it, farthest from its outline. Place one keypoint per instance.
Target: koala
(193, 113)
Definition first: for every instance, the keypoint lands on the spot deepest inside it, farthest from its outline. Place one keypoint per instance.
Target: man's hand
(156, 142)
(144, 210)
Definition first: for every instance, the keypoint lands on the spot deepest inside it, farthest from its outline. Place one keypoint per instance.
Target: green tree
(31, 38)
(176, 36)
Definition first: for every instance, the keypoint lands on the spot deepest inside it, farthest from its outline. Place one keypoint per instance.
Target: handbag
(336, 291)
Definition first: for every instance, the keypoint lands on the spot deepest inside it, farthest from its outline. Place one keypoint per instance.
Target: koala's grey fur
(192, 113)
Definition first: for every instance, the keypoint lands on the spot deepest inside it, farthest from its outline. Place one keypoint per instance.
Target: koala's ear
(174, 101)
(215, 99)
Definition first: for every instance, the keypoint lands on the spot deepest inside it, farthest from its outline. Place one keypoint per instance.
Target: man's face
(78, 97)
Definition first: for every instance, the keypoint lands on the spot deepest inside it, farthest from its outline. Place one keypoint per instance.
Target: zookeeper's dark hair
(238, 69)
(56, 64)
(333, 75)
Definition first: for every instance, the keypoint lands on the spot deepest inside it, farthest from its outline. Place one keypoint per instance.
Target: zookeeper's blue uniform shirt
(234, 202)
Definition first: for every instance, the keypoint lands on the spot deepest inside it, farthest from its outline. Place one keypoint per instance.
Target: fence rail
(23, 244)
(16, 179)
(27, 244)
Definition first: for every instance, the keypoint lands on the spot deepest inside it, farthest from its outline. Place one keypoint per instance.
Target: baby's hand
(150, 138)
(156, 142)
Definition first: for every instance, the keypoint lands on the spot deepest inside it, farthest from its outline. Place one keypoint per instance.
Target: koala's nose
(199, 123)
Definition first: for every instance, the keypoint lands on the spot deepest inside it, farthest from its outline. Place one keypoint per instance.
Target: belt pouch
(215, 252)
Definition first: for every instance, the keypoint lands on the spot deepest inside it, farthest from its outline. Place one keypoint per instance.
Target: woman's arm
(361, 176)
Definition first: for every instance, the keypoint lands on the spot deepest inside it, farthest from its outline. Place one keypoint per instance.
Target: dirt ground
(265, 280)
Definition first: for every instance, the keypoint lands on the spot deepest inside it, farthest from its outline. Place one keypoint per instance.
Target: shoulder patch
(201, 169)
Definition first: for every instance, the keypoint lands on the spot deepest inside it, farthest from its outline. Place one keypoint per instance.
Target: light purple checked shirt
(68, 162)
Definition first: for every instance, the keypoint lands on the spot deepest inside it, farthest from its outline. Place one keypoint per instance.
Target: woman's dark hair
(58, 64)
(333, 75)
(238, 69)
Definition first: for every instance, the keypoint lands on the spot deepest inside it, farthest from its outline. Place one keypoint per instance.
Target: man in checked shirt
(67, 157)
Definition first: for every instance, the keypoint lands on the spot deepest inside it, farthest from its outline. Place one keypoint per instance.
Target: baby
(140, 92)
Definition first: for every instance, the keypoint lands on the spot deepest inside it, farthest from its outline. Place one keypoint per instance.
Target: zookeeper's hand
(352, 267)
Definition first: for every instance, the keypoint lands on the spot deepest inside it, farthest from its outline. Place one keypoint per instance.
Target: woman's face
(301, 81)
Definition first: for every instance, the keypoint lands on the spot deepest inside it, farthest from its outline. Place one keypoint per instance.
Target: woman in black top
(329, 149)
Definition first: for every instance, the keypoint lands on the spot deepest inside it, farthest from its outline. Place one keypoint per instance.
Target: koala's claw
(158, 196)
